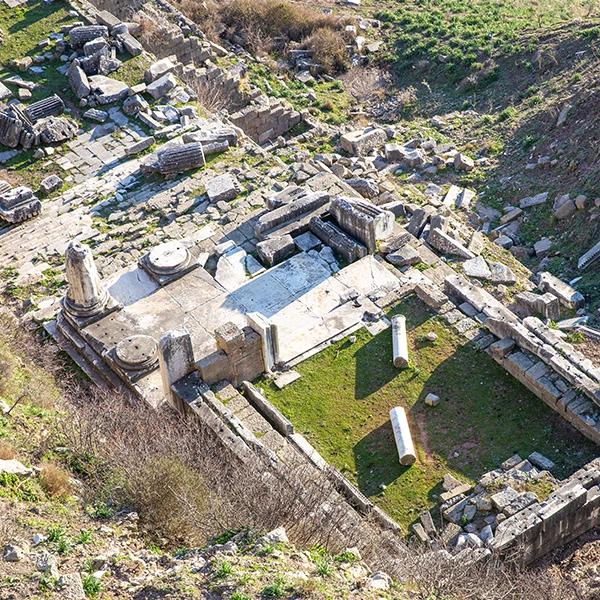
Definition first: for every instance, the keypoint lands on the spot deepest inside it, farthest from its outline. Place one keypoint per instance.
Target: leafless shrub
(365, 84)
(437, 575)
(210, 96)
(155, 33)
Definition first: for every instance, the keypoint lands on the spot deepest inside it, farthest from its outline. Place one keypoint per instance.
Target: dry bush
(6, 450)
(328, 49)
(265, 23)
(205, 14)
(435, 575)
(55, 480)
(210, 96)
(155, 33)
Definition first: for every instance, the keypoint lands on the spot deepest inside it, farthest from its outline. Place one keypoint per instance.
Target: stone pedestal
(86, 299)
(404, 443)
(176, 360)
(399, 341)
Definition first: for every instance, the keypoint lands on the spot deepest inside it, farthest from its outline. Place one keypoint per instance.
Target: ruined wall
(170, 33)
(568, 512)
(267, 120)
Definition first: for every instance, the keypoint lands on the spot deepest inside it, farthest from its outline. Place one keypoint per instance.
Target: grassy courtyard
(342, 401)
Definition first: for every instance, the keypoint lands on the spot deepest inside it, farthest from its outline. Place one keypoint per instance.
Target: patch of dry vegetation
(328, 49)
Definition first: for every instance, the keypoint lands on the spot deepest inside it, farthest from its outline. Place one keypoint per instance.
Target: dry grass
(55, 480)
(268, 24)
(7, 452)
(328, 49)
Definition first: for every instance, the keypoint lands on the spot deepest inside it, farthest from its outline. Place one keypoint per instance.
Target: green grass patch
(343, 399)
(459, 36)
(326, 100)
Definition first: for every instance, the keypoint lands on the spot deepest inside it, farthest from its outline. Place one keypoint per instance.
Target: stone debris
(19, 204)
(223, 188)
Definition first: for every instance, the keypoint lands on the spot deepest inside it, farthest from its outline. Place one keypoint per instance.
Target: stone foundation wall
(568, 512)
(266, 120)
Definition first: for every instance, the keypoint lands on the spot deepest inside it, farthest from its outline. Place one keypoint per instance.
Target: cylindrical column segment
(404, 443)
(86, 295)
(399, 341)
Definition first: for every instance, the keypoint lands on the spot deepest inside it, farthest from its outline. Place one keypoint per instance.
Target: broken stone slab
(286, 378)
(93, 114)
(477, 267)
(500, 273)
(158, 69)
(135, 104)
(223, 188)
(510, 215)
(78, 80)
(130, 44)
(404, 257)
(432, 399)
(503, 498)
(361, 142)
(161, 86)
(365, 187)
(542, 247)
(566, 295)
(96, 45)
(563, 207)
(446, 244)
(276, 249)
(533, 200)
(50, 184)
(410, 157)
(108, 90)
(418, 221)
(307, 241)
(19, 204)
(14, 467)
(4, 92)
(458, 197)
(546, 304)
(140, 146)
(462, 162)
(78, 36)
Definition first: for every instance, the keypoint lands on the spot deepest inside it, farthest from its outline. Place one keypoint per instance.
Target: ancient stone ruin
(196, 261)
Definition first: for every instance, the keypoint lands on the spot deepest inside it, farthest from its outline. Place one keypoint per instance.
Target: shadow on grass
(484, 416)
(373, 373)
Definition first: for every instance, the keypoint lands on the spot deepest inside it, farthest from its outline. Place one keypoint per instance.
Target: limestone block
(361, 141)
(276, 249)
(176, 360)
(223, 188)
(161, 86)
